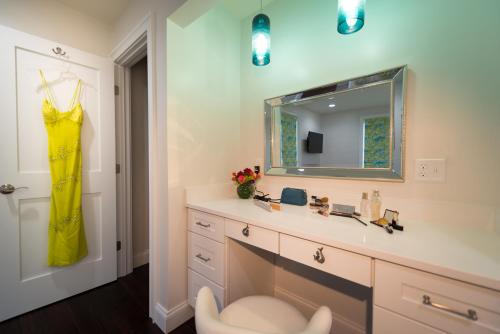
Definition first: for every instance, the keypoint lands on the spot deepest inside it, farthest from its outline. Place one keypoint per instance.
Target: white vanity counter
(464, 254)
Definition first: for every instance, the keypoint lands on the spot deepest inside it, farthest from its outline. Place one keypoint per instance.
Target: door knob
(9, 189)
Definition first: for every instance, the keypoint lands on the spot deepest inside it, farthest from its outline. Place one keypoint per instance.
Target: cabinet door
(206, 257)
(387, 322)
(253, 235)
(208, 225)
(196, 282)
(443, 303)
(351, 266)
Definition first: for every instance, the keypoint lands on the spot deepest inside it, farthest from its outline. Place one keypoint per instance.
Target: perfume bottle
(375, 205)
(364, 207)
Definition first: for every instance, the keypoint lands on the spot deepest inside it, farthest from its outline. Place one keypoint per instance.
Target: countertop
(465, 254)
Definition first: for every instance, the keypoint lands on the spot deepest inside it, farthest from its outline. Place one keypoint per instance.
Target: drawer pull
(204, 259)
(203, 225)
(319, 257)
(246, 231)
(471, 314)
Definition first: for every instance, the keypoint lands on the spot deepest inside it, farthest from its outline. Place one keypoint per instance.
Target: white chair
(257, 315)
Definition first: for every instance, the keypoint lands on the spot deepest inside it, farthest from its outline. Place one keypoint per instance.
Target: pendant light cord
(261, 10)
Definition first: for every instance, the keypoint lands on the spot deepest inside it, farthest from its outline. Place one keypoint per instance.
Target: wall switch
(430, 170)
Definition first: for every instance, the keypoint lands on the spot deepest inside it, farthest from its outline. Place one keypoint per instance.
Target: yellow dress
(67, 242)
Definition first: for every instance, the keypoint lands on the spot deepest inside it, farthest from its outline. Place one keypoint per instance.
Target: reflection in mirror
(347, 130)
(342, 130)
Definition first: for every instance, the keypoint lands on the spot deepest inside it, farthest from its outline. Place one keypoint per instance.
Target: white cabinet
(205, 224)
(253, 235)
(405, 300)
(351, 266)
(196, 282)
(206, 256)
(446, 304)
(387, 322)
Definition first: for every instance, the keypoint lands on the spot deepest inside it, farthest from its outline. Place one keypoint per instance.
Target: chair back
(208, 321)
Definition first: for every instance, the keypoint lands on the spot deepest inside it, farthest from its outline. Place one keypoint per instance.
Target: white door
(26, 282)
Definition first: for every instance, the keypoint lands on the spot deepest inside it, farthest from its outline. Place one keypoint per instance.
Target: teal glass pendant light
(351, 16)
(261, 39)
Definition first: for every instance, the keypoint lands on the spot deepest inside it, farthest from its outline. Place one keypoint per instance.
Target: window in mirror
(376, 142)
(289, 139)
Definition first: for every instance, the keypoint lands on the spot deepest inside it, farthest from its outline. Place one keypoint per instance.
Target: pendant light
(261, 39)
(351, 16)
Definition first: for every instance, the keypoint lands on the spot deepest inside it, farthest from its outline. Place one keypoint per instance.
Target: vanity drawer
(253, 235)
(206, 257)
(348, 265)
(196, 282)
(402, 290)
(387, 322)
(206, 224)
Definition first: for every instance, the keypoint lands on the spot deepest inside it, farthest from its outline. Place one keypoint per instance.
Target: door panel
(26, 282)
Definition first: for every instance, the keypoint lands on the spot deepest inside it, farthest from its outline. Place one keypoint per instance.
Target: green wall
(452, 49)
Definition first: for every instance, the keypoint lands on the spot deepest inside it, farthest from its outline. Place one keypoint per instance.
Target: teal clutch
(294, 196)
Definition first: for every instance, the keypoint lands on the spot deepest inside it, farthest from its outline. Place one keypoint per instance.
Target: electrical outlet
(430, 170)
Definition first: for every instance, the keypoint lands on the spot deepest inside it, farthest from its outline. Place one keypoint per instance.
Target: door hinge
(117, 90)
(118, 245)
(118, 168)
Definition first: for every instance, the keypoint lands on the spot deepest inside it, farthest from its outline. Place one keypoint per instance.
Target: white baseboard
(178, 315)
(340, 323)
(160, 317)
(141, 258)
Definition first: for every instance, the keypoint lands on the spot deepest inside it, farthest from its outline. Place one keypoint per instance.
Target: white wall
(139, 162)
(54, 20)
(341, 140)
(203, 121)
(306, 121)
(453, 105)
(343, 136)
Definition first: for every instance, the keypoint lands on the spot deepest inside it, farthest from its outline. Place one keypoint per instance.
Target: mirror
(350, 129)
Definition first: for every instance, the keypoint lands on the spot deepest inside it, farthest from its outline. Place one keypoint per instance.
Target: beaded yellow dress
(66, 243)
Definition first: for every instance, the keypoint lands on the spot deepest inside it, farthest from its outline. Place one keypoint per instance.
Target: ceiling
(244, 8)
(364, 98)
(106, 11)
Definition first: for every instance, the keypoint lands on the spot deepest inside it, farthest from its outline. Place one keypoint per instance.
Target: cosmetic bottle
(364, 207)
(375, 205)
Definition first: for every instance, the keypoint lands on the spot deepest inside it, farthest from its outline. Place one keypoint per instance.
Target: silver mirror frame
(397, 78)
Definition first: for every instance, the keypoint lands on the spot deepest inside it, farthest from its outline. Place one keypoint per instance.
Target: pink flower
(241, 178)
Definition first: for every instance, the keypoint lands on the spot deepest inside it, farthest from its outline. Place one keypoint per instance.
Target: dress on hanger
(67, 243)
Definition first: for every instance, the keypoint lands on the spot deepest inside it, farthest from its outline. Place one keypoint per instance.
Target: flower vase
(246, 190)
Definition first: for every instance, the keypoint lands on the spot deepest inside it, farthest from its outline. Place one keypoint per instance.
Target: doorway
(139, 173)
(134, 110)
(132, 169)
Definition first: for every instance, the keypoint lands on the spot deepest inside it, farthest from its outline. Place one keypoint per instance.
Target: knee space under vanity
(254, 271)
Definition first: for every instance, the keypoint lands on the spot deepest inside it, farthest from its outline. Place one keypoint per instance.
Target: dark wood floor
(118, 307)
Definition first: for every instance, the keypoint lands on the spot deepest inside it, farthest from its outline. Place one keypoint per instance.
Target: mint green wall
(203, 100)
(452, 49)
